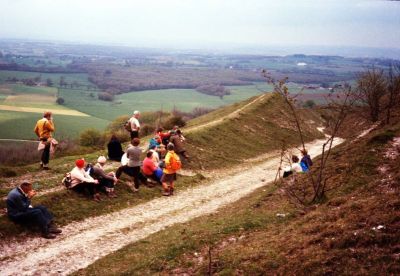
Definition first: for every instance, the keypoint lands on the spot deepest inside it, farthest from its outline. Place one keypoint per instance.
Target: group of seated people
(297, 165)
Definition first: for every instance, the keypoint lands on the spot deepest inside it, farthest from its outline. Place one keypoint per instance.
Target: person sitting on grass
(306, 160)
(82, 182)
(107, 181)
(20, 210)
(172, 165)
(149, 169)
(293, 168)
(114, 148)
(133, 167)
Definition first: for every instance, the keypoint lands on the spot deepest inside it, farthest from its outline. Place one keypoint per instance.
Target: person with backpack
(43, 129)
(295, 167)
(134, 163)
(172, 165)
(179, 143)
(20, 210)
(306, 161)
(133, 125)
(82, 182)
(107, 181)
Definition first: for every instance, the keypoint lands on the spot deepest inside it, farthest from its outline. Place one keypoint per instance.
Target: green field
(21, 105)
(80, 78)
(19, 125)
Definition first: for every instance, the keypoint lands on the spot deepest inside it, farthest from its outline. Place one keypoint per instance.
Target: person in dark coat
(20, 210)
(114, 147)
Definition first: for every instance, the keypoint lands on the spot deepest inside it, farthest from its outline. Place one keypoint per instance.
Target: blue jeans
(38, 215)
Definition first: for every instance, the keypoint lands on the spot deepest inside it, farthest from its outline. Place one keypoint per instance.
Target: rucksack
(127, 126)
(174, 162)
(67, 180)
(304, 166)
(89, 169)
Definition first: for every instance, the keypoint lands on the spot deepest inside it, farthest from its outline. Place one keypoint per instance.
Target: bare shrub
(105, 96)
(91, 138)
(18, 153)
(313, 189)
(371, 86)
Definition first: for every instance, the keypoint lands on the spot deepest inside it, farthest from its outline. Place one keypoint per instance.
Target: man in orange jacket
(43, 129)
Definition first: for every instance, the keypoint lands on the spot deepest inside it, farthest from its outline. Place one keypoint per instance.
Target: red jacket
(148, 166)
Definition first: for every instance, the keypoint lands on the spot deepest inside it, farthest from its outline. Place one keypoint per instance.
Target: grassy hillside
(355, 230)
(196, 140)
(258, 128)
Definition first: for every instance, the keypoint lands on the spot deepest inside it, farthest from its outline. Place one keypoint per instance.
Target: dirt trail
(84, 242)
(230, 115)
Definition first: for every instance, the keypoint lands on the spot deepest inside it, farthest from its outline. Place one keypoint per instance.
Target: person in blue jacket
(20, 210)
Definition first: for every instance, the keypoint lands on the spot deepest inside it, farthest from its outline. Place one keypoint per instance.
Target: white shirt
(135, 125)
(79, 175)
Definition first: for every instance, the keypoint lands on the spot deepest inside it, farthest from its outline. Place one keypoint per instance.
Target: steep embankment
(257, 128)
(97, 237)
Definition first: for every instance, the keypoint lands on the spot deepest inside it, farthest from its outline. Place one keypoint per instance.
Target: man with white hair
(106, 180)
(134, 124)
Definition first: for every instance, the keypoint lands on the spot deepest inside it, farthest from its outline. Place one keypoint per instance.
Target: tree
(104, 96)
(49, 82)
(60, 101)
(313, 189)
(309, 104)
(371, 86)
(393, 91)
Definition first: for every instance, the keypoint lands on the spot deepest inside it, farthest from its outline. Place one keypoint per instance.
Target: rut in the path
(84, 242)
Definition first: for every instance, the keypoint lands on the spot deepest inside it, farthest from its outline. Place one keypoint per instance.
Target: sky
(205, 23)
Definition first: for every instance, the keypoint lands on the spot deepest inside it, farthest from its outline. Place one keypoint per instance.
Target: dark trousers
(134, 134)
(46, 154)
(107, 183)
(85, 188)
(39, 215)
(134, 172)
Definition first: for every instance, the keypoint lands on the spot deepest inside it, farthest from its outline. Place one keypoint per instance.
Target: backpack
(127, 126)
(89, 169)
(174, 162)
(67, 180)
(304, 166)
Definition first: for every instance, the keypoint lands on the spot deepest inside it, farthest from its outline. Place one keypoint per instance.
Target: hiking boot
(171, 191)
(135, 190)
(45, 168)
(48, 236)
(54, 230)
(166, 193)
(96, 197)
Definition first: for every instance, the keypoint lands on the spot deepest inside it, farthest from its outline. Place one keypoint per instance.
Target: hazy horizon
(208, 24)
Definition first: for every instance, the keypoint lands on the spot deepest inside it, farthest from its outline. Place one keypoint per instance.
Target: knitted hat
(101, 160)
(80, 163)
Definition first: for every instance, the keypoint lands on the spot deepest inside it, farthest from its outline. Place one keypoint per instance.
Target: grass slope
(340, 236)
(76, 208)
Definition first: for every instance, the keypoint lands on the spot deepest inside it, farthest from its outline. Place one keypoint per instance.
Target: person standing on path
(43, 129)
(172, 165)
(20, 210)
(134, 124)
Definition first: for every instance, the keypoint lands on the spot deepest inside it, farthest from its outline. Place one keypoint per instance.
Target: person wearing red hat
(82, 182)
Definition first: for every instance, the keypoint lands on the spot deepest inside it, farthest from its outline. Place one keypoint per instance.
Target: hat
(80, 163)
(136, 112)
(101, 160)
(170, 146)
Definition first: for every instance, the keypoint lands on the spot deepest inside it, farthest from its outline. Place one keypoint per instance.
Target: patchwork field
(21, 105)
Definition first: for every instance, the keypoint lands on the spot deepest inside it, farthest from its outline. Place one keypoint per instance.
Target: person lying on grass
(20, 210)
